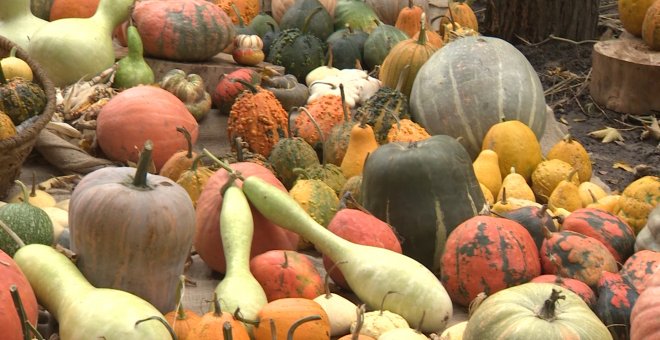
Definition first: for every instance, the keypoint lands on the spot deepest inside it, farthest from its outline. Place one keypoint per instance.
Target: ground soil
(564, 68)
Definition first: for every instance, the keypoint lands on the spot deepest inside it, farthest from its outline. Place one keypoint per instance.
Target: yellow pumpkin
(15, 67)
(590, 193)
(637, 200)
(516, 146)
(547, 175)
(631, 14)
(572, 152)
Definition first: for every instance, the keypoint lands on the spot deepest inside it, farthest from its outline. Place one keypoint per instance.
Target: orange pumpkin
(409, 18)
(61, 9)
(211, 325)
(283, 313)
(327, 113)
(180, 161)
(461, 13)
(182, 320)
(432, 37)
(247, 8)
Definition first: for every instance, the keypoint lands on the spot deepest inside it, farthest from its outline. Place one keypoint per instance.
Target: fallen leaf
(563, 120)
(607, 135)
(652, 130)
(579, 120)
(623, 166)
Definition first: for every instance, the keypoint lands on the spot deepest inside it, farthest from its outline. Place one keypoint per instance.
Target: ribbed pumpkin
(12, 275)
(190, 89)
(462, 90)
(182, 30)
(267, 236)
(607, 228)
(637, 200)
(218, 324)
(408, 19)
(645, 316)
(616, 298)
(140, 113)
(431, 189)
(229, 87)
(380, 42)
(258, 118)
(576, 286)
(356, 13)
(576, 256)
(640, 267)
(535, 311)
(181, 319)
(151, 228)
(487, 254)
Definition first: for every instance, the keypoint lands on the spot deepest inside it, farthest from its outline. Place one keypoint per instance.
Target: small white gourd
(340, 310)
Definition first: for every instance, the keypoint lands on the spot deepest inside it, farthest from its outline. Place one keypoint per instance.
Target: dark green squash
(270, 36)
(424, 190)
(321, 26)
(298, 51)
(347, 45)
(261, 24)
(30, 223)
(359, 37)
(20, 99)
(380, 42)
(357, 13)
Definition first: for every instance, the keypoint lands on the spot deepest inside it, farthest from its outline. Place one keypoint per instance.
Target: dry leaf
(623, 166)
(579, 120)
(652, 130)
(563, 120)
(607, 135)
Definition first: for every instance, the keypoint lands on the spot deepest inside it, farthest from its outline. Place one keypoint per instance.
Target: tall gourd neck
(14, 9)
(111, 13)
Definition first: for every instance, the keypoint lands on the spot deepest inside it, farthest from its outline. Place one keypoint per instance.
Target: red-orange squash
(228, 87)
(141, 113)
(616, 298)
(645, 315)
(576, 286)
(182, 30)
(286, 274)
(640, 268)
(72, 9)
(11, 274)
(283, 313)
(267, 236)
(487, 254)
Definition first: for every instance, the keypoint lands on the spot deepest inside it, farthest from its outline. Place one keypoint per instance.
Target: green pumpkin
(330, 174)
(424, 190)
(21, 99)
(356, 38)
(289, 154)
(380, 110)
(190, 89)
(260, 24)
(380, 42)
(287, 90)
(296, 16)
(356, 13)
(30, 223)
(345, 53)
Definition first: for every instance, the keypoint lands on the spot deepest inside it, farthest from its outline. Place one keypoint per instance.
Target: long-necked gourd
(238, 288)
(74, 48)
(371, 272)
(82, 310)
(133, 70)
(17, 23)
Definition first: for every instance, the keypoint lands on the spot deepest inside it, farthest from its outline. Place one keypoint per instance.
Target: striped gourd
(473, 83)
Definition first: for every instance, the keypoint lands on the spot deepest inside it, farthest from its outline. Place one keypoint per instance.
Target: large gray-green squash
(423, 190)
(473, 83)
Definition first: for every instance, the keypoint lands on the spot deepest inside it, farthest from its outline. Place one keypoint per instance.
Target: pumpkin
(645, 315)
(279, 316)
(576, 256)
(431, 189)
(405, 130)
(632, 13)
(576, 286)
(534, 219)
(326, 111)
(380, 42)
(12, 275)
(640, 267)
(107, 233)
(143, 113)
(267, 235)
(649, 236)
(280, 7)
(216, 323)
(487, 254)
(248, 50)
(637, 200)
(286, 274)
(248, 9)
(181, 160)
(181, 319)
(345, 40)
(258, 118)
(20, 99)
(651, 26)
(183, 30)
(615, 234)
(459, 12)
(409, 18)
(356, 13)
(194, 179)
(535, 310)
(190, 89)
(13, 66)
(289, 154)
(229, 87)
(572, 152)
(7, 127)
(461, 91)
(388, 10)
(295, 17)
(547, 175)
(286, 88)
(433, 38)
(616, 298)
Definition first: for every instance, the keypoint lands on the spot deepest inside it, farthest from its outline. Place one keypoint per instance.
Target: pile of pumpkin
(402, 160)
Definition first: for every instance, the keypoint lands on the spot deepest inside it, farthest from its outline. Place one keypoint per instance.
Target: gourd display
(464, 89)
(152, 228)
(631, 13)
(183, 30)
(132, 70)
(75, 48)
(431, 190)
(20, 99)
(11, 274)
(17, 23)
(144, 113)
(190, 89)
(379, 43)
(649, 236)
(487, 254)
(637, 200)
(533, 310)
(295, 17)
(645, 315)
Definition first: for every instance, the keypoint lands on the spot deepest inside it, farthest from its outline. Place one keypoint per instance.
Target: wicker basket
(15, 150)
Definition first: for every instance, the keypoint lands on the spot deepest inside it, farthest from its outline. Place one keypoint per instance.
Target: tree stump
(536, 20)
(625, 75)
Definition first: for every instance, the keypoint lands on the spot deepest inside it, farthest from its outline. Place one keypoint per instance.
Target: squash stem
(241, 23)
(188, 137)
(295, 325)
(161, 320)
(12, 234)
(223, 165)
(237, 315)
(548, 311)
(250, 87)
(318, 129)
(359, 322)
(343, 102)
(18, 304)
(422, 31)
(226, 331)
(24, 191)
(140, 179)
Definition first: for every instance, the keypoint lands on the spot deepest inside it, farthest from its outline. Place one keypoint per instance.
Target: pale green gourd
(132, 70)
(238, 288)
(79, 48)
(17, 23)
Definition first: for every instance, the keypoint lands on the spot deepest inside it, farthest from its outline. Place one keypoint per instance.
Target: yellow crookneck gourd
(516, 187)
(506, 204)
(566, 195)
(361, 142)
(487, 169)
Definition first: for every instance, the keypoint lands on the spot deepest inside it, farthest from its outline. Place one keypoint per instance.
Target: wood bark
(536, 20)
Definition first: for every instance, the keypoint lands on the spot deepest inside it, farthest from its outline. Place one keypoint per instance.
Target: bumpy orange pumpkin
(327, 113)
(247, 8)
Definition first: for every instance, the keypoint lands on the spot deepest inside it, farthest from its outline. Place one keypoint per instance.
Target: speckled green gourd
(20, 99)
(317, 198)
(379, 109)
(352, 185)
(30, 223)
(330, 174)
(289, 154)
(295, 17)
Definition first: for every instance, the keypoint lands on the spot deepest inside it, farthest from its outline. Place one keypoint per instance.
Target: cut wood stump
(625, 76)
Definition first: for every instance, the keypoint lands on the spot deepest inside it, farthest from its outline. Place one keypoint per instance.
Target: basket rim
(30, 132)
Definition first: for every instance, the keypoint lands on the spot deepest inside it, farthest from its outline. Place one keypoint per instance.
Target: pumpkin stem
(33, 190)
(541, 212)
(186, 135)
(161, 320)
(12, 234)
(318, 129)
(410, 4)
(359, 322)
(326, 280)
(250, 87)
(215, 305)
(24, 191)
(273, 331)
(241, 23)
(238, 316)
(222, 164)
(308, 19)
(286, 260)
(549, 306)
(331, 56)
(140, 179)
(26, 326)
(382, 302)
(195, 164)
(295, 325)
(226, 331)
(343, 101)
(422, 30)
(593, 197)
